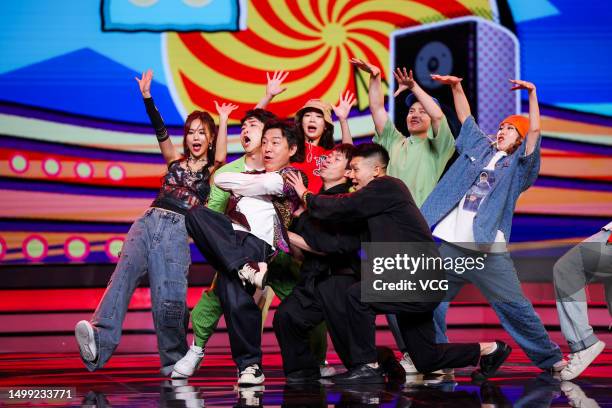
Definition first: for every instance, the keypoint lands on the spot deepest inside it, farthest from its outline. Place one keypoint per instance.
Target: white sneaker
(84, 333)
(186, 366)
(411, 369)
(255, 273)
(327, 370)
(579, 361)
(576, 397)
(408, 365)
(251, 375)
(559, 366)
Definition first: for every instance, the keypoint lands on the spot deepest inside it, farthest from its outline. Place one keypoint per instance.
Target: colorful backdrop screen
(78, 159)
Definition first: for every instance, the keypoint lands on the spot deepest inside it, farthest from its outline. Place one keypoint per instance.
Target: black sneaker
(491, 362)
(304, 376)
(251, 375)
(362, 374)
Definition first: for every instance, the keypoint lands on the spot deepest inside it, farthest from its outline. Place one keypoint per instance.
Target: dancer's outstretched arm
(534, 114)
(168, 150)
(375, 94)
(342, 110)
(462, 106)
(273, 88)
(224, 111)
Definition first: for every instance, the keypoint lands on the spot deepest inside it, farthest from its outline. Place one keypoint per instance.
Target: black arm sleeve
(364, 203)
(156, 120)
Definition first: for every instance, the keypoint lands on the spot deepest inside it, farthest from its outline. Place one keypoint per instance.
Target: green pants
(282, 278)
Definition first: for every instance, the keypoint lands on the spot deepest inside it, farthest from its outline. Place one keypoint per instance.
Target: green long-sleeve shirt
(419, 163)
(217, 199)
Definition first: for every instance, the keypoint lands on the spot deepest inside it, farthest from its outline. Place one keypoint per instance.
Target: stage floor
(133, 380)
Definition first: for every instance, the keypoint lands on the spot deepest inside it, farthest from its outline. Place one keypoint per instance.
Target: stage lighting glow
(76, 248)
(19, 163)
(83, 170)
(35, 248)
(115, 172)
(113, 248)
(51, 167)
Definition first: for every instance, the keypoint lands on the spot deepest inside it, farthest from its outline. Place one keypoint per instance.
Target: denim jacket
(517, 173)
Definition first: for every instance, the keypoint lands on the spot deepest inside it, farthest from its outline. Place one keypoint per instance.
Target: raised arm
(534, 114)
(273, 88)
(224, 111)
(462, 106)
(165, 144)
(375, 94)
(406, 81)
(342, 111)
(245, 184)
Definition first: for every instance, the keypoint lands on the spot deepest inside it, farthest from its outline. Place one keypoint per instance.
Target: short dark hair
(261, 115)
(293, 139)
(372, 150)
(347, 150)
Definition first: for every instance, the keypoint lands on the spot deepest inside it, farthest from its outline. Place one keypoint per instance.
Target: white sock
(373, 365)
(493, 349)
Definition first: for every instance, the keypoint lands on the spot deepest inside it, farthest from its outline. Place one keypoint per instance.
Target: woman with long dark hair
(157, 243)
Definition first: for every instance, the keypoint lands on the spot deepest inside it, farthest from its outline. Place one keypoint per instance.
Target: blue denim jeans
(157, 244)
(589, 261)
(499, 283)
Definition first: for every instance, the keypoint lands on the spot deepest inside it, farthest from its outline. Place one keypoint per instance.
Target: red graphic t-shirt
(312, 166)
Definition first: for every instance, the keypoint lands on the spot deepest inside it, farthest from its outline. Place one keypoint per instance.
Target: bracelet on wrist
(304, 196)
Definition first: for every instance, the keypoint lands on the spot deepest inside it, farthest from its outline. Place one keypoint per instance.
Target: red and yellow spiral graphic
(313, 39)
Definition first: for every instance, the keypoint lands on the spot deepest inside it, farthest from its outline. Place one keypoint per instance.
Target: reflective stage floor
(132, 380)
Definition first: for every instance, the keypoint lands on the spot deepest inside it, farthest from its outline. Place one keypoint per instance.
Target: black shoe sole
(364, 380)
(305, 380)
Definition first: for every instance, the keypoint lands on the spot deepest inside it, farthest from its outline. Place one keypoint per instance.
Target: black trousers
(415, 320)
(227, 250)
(293, 322)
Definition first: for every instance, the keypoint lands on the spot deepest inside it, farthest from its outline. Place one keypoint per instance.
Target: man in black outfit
(320, 294)
(386, 204)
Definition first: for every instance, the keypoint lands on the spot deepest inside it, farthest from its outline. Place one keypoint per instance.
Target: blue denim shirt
(517, 173)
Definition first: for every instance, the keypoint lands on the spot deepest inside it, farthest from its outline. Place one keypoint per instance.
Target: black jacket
(385, 204)
(339, 240)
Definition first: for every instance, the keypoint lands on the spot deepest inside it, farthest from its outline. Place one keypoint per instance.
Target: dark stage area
(132, 379)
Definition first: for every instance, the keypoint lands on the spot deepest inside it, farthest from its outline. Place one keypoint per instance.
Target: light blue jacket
(515, 173)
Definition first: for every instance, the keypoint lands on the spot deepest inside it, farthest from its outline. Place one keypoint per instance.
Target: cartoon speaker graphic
(483, 53)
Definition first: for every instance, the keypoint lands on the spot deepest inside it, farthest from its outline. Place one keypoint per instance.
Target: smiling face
(506, 137)
(276, 150)
(197, 139)
(363, 170)
(418, 121)
(313, 125)
(250, 134)
(333, 168)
